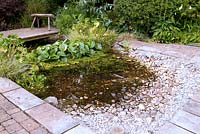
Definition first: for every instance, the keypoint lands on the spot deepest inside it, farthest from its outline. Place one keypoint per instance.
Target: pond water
(115, 77)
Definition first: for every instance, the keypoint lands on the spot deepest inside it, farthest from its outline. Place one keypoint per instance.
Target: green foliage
(92, 30)
(64, 50)
(10, 57)
(35, 6)
(15, 64)
(75, 11)
(166, 20)
(32, 81)
(166, 32)
(67, 17)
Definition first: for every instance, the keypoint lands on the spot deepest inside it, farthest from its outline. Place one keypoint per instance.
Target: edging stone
(47, 115)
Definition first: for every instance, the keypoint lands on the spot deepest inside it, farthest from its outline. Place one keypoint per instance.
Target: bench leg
(34, 19)
(38, 23)
(49, 27)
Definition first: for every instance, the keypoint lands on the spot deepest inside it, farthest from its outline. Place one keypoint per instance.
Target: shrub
(153, 17)
(77, 10)
(10, 9)
(67, 17)
(35, 6)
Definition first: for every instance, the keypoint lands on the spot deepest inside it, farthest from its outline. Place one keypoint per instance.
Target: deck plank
(188, 121)
(29, 34)
(192, 107)
(170, 128)
(196, 97)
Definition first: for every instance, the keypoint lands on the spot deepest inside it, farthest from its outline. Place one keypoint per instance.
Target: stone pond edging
(55, 121)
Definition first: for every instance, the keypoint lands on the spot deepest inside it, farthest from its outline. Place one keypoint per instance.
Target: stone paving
(23, 113)
(15, 121)
(187, 119)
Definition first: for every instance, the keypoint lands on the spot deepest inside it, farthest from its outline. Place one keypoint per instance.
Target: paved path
(187, 119)
(23, 113)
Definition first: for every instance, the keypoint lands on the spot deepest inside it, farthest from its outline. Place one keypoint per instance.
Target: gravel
(144, 113)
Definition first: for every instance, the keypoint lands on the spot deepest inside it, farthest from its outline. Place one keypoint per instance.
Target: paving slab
(53, 119)
(23, 99)
(196, 97)
(149, 49)
(7, 85)
(80, 130)
(188, 121)
(170, 128)
(192, 107)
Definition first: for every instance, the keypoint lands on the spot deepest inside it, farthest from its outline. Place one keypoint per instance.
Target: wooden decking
(28, 34)
(185, 121)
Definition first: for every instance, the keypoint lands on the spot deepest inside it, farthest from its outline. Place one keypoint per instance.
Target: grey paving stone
(23, 98)
(174, 54)
(51, 118)
(187, 121)
(192, 107)
(7, 85)
(169, 128)
(80, 130)
(149, 49)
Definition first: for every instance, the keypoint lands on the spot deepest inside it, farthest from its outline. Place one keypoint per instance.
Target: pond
(106, 79)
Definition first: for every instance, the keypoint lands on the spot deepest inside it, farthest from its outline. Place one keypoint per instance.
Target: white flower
(190, 7)
(181, 7)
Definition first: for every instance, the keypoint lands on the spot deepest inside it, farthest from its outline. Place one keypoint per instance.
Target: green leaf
(98, 46)
(63, 47)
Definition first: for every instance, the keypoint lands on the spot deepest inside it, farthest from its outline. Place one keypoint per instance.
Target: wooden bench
(37, 16)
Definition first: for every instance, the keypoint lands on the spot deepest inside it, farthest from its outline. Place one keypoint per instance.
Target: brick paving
(15, 121)
(23, 113)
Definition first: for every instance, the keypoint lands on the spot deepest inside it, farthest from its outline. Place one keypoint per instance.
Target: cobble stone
(29, 124)
(1, 128)
(2, 111)
(13, 128)
(39, 130)
(20, 116)
(4, 132)
(7, 106)
(1, 97)
(8, 122)
(4, 117)
(23, 131)
(12, 111)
